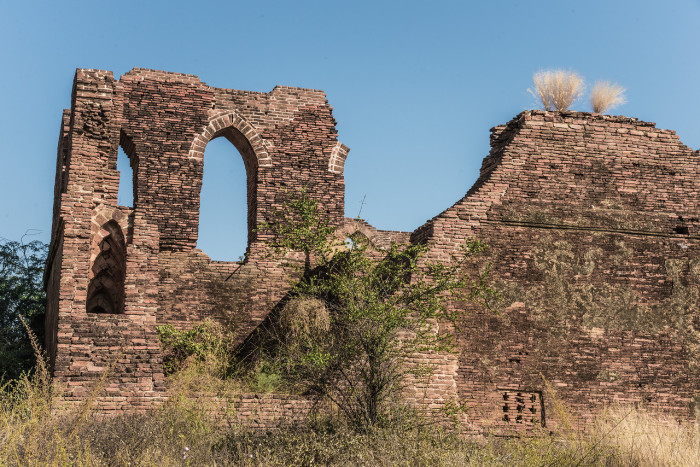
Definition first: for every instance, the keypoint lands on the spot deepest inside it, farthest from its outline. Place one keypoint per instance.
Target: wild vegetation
(348, 328)
(21, 297)
(204, 342)
(557, 89)
(354, 312)
(183, 432)
(560, 89)
(606, 96)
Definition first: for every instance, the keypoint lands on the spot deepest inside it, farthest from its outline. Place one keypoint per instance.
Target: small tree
(355, 319)
(300, 226)
(557, 89)
(204, 341)
(606, 96)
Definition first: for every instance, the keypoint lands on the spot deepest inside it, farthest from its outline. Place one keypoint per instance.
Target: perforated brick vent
(523, 408)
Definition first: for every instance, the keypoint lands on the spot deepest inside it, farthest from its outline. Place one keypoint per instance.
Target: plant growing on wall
(557, 89)
(203, 341)
(352, 323)
(568, 293)
(606, 96)
(300, 226)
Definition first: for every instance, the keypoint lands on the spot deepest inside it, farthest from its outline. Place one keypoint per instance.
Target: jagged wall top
(565, 168)
(164, 120)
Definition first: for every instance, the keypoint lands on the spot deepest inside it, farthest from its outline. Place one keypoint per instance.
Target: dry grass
(606, 95)
(182, 432)
(305, 316)
(557, 89)
(650, 439)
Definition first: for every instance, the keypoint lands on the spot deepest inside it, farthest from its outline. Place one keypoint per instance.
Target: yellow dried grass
(606, 95)
(557, 89)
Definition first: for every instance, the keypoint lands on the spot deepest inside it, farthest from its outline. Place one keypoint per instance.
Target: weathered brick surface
(381, 239)
(594, 234)
(115, 273)
(593, 223)
(260, 411)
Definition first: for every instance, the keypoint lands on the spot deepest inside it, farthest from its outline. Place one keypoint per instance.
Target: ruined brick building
(593, 223)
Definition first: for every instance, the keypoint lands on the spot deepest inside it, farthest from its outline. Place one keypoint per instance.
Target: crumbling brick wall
(592, 221)
(114, 273)
(593, 228)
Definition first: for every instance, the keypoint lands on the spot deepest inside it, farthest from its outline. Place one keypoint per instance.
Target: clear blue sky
(415, 86)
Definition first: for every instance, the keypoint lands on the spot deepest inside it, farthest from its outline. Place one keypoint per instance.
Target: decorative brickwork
(523, 408)
(108, 271)
(593, 223)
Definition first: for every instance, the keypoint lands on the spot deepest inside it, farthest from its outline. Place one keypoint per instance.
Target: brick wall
(115, 273)
(260, 411)
(593, 226)
(593, 223)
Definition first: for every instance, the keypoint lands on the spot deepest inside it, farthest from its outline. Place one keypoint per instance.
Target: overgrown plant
(557, 89)
(300, 226)
(645, 437)
(353, 322)
(185, 432)
(204, 341)
(606, 96)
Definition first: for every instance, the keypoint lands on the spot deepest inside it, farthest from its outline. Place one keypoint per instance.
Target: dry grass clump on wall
(557, 89)
(606, 96)
(305, 316)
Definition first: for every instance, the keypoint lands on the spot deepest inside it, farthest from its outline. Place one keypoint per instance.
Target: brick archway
(232, 126)
(237, 130)
(107, 273)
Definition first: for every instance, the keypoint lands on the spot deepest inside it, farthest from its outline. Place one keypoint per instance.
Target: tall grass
(647, 438)
(184, 432)
(606, 96)
(557, 89)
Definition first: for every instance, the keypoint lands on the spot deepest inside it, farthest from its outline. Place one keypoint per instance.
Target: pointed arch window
(223, 219)
(108, 271)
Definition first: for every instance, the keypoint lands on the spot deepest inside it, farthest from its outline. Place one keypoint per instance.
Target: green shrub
(349, 329)
(265, 379)
(202, 342)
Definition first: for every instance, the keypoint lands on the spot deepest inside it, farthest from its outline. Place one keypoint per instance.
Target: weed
(557, 89)
(606, 95)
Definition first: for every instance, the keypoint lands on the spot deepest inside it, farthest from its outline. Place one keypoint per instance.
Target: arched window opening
(349, 243)
(106, 288)
(126, 180)
(223, 218)
(356, 240)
